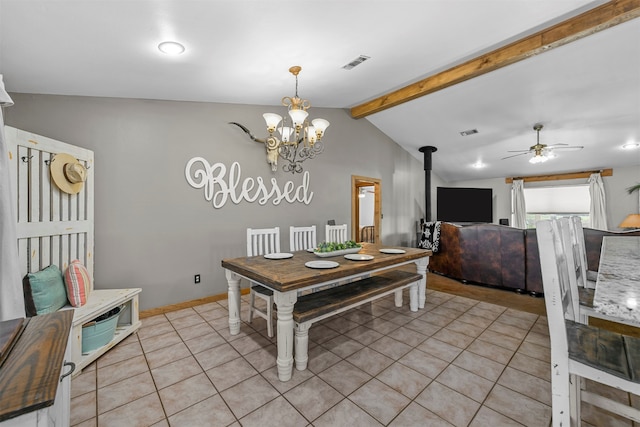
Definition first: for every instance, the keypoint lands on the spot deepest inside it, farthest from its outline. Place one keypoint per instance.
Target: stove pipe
(427, 150)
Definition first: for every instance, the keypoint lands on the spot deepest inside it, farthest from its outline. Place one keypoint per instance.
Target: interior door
(366, 208)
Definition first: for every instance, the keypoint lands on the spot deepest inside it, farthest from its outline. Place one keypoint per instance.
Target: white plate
(321, 264)
(392, 251)
(359, 257)
(278, 255)
(310, 249)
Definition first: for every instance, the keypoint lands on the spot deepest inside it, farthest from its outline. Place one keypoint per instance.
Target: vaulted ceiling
(585, 92)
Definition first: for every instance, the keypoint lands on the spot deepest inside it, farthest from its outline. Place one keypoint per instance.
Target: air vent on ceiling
(359, 60)
(468, 132)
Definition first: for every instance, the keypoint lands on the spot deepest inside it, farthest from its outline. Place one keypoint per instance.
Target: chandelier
(292, 139)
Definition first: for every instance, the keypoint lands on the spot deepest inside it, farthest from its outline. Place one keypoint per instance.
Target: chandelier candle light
(296, 140)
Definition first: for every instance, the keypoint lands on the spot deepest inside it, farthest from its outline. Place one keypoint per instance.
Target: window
(555, 202)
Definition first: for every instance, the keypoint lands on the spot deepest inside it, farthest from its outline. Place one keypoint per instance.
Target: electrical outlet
(196, 278)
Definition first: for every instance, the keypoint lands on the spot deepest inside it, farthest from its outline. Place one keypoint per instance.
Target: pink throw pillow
(78, 283)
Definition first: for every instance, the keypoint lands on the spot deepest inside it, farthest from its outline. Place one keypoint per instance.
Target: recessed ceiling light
(631, 145)
(478, 165)
(171, 48)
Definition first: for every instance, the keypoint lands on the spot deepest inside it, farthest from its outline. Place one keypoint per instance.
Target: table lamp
(631, 221)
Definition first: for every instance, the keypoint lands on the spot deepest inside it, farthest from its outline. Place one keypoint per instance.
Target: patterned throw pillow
(44, 291)
(430, 238)
(78, 283)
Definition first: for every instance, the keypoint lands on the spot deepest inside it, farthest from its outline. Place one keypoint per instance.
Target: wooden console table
(35, 390)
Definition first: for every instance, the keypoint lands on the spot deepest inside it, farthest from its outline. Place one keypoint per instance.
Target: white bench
(101, 301)
(55, 228)
(317, 306)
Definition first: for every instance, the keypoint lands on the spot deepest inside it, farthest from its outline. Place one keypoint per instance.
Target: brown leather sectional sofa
(501, 256)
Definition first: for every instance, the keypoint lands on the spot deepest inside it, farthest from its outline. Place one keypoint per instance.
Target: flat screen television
(464, 205)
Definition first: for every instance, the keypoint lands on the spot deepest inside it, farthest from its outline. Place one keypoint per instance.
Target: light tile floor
(458, 362)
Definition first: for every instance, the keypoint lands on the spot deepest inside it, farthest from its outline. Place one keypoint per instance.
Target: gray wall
(619, 202)
(154, 231)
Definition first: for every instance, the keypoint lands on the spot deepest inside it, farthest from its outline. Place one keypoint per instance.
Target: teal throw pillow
(46, 289)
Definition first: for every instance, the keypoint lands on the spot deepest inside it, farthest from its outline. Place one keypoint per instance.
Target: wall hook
(26, 159)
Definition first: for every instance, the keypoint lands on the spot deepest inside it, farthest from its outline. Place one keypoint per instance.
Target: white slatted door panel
(53, 227)
(22, 205)
(45, 210)
(34, 196)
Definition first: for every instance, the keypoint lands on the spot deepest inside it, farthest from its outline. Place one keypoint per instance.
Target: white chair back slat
(570, 274)
(580, 251)
(262, 241)
(336, 233)
(561, 304)
(302, 238)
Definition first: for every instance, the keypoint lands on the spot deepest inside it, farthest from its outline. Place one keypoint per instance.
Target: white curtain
(11, 299)
(517, 201)
(598, 208)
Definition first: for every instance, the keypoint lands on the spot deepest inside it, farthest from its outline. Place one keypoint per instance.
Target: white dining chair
(335, 233)
(262, 241)
(302, 238)
(590, 276)
(580, 351)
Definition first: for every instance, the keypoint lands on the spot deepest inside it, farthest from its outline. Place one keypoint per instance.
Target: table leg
(302, 346)
(413, 296)
(284, 302)
(422, 264)
(233, 295)
(398, 298)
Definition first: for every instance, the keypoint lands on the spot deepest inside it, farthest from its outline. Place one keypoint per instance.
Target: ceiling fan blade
(515, 155)
(520, 151)
(567, 148)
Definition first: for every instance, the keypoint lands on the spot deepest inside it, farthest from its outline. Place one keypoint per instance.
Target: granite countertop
(618, 285)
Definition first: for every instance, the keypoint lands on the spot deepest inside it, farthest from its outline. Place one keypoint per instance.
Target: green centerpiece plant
(334, 246)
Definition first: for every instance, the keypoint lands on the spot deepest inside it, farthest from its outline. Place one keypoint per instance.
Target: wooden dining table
(288, 277)
(618, 284)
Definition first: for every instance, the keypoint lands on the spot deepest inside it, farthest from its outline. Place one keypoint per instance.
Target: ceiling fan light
(538, 159)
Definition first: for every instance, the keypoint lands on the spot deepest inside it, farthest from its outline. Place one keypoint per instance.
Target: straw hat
(68, 173)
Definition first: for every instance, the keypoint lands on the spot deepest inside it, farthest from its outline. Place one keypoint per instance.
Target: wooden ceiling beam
(560, 176)
(597, 19)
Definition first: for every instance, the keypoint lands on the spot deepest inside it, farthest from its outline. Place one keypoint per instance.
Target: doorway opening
(366, 209)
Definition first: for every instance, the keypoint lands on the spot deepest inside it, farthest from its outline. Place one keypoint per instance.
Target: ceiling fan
(543, 152)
